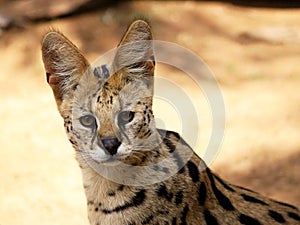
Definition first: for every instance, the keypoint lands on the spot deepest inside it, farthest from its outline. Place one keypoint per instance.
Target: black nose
(111, 145)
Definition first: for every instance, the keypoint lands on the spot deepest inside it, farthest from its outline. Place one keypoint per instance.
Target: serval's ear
(64, 64)
(134, 56)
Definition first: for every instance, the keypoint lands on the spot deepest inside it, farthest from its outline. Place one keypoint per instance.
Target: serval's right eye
(125, 117)
(88, 121)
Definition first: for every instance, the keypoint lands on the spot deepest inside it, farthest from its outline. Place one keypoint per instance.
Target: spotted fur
(107, 112)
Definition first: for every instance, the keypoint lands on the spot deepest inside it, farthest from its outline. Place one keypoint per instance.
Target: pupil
(88, 120)
(126, 116)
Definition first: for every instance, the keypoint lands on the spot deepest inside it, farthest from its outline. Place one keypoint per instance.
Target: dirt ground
(254, 53)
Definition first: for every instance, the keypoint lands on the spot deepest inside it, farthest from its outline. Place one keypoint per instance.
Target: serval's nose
(111, 145)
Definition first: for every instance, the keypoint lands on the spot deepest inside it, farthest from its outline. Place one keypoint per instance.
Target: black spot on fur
(163, 211)
(169, 138)
(140, 127)
(252, 199)
(131, 223)
(245, 189)
(285, 204)
(147, 133)
(193, 171)
(276, 216)
(294, 216)
(226, 186)
(121, 187)
(147, 220)
(136, 200)
(184, 215)
(222, 199)
(162, 192)
(72, 141)
(178, 197)
(202, 194)
(210, 219)
(170, 145)
(247, 220)
(174, 221)
(175, 135)
(111, 193)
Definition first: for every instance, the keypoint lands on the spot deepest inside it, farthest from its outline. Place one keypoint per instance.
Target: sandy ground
(254, 53)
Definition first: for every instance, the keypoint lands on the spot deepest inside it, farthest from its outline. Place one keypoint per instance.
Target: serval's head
(107, 110)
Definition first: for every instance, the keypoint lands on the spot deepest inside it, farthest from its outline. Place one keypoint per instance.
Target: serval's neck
(95, 185)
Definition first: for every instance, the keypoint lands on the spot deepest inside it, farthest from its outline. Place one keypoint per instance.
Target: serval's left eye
(125, 117)
(88, 121)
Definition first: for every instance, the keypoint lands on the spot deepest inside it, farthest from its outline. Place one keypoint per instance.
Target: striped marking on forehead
(101, 72)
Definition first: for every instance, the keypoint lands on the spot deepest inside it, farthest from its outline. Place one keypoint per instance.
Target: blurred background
(252, 49)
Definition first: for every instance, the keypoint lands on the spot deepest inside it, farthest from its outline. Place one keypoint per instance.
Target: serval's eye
(88, 121)
(125, 117)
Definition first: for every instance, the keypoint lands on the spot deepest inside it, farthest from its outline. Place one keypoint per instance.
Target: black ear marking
(97, 72)
(105, 71)
(101, 72)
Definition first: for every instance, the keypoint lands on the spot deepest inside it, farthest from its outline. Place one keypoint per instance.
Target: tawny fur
(185, 191)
